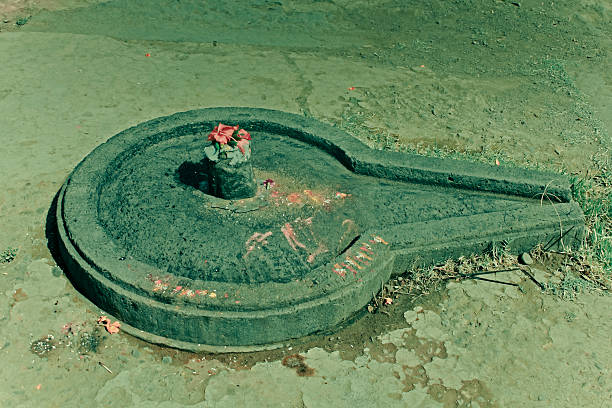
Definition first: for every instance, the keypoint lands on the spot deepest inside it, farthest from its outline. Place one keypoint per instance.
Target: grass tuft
(8, 255)
(594, 196)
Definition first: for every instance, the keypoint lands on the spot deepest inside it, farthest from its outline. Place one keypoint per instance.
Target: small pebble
(525, 259)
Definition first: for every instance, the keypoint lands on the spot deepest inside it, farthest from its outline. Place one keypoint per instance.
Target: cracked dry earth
(528, 83)
(479, 344)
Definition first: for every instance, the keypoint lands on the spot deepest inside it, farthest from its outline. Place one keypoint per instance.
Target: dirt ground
(525, 83)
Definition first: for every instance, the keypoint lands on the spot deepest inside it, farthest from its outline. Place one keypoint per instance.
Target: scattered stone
(43, 345)
(57, 272)
(88, 342)
(167, 360)
(8, 255)
(525, 259)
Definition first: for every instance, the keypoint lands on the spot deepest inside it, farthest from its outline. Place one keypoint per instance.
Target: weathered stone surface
(232, 181)
(525, 259)
(188, 269)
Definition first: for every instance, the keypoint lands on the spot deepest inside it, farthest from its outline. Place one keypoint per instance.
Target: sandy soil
(521, 82)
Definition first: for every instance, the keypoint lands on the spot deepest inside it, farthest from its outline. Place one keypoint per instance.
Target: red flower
(112, 328)
(222, 134)
(244, 134)
(242, 145)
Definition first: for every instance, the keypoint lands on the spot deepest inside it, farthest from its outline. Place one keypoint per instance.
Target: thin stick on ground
(104, 367)
(473, 275)
(532, 278)
(496, 281)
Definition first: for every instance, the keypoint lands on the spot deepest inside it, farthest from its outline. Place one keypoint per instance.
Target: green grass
(8, 255)
(22, 20)
(569, 287)
(594, 195)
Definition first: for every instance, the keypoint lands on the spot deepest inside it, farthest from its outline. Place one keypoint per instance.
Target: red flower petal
(242, 145)
(222, 133)
(244, 134)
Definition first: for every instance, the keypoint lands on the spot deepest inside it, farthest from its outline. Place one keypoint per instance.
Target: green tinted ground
(524, 82)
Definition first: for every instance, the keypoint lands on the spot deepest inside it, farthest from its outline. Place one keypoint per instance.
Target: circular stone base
(331, 220)
(144, 243)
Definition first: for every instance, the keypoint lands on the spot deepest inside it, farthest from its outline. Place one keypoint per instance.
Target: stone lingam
(197, 243)
(229, 167)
